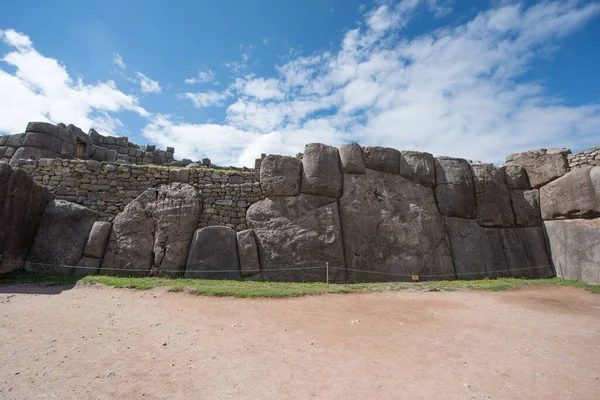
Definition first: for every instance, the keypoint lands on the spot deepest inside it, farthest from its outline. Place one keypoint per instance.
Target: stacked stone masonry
(589, 157)
(348, 214)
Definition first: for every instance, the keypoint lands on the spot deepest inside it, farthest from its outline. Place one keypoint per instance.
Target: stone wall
(589, 157)
(109, 187)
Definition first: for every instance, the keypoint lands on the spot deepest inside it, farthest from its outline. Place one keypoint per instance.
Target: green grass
(248, 289)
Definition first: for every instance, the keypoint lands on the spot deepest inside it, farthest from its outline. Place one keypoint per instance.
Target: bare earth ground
(96, 342)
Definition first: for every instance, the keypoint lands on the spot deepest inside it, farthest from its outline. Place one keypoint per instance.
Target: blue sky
(233, 79)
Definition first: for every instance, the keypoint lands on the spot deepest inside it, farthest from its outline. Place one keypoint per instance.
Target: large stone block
(99, 153)
(321, 173)
(248, 253)
(575, 248)
(574, 195)
(526, 206)
(392, 230)
(40, 140)
(418, 167)
(280, 175)
(382, 159)
(297, 237)
(42, 127)
(525, 252)
(491, 197)
(477, 252)
(454, 191)
(22, 204)
(542, 165)
(153, 232)
(96, 242)
(213, 254)
(351, 159)
(31, 153)
(61, 237)
(516, 177)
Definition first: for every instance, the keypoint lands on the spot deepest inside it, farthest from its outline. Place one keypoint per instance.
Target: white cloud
(205, 99)
(263, 89)
(41, 89)
(202, 77)
(118, 61)
(148, 85)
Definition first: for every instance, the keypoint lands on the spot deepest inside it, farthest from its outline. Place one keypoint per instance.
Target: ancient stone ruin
(349, 214)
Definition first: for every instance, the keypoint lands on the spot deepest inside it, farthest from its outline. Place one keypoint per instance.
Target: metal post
(327, 266)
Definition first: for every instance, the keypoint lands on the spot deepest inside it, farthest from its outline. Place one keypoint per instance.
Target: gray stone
(67, 150)
(526, 206)
(22, 204)
(454, 191)
(515, 177)
(96, 242)
(392, 229)
(179, 175)
(321, 173)
(87, 266)
(491, 197)
(61, 237)
(542, 165)
(351, 159)
(297, 237)
(213, 254)
(280, 175)
(525, 252)
(153, 232)
(111, 155)
(236, 180)
(193, 165)
(170, 150)
(575, 248)
(40, 140)
(248, 253)
(99, 154)
(418, 167)
(382, 159)
(15, 140)
(574, 195)
(42, 127)
(477, 252)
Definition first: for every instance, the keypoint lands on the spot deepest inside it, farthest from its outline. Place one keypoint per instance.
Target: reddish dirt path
(95, 342)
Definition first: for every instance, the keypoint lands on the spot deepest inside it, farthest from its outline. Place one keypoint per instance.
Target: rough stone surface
(382, 159)
(248, 253)
(297, 236)
(351, 159)
(542, 165)
(574, 195)
(526, 206)
(321, 173)
(491, 197)
(525, 252)
(575, 248)
(418, 167)
(87, 266)
(516, 177)
(61, 237)
(22, 204)
(392, 229)
(454, 191)
(477, 252)
(280, 175)
(96, 242)
(213, 254)
(154, 231)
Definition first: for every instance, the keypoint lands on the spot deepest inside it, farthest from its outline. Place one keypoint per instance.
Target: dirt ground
(96, 342)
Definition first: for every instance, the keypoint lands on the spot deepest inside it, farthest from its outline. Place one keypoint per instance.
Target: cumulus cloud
(203, 77)
(148, 85)
(41, 89)
(457, 90)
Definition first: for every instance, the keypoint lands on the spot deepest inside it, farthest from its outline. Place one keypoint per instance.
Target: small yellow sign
(415, 277)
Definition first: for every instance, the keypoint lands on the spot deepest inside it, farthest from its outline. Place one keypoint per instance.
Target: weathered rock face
(213, 254)
(392, 229)
(454, 191)
(280, 175)
(574, 195)
(321, 173)
(351, 159)
(61, 237)
(297, 237)
(382, 159)
(418, 167)
(526, 206)
(575, 248)
(153, 232)
(96, 242)
(248, 253)
(542, 165)
(516, 177)
(491, 197)
(525, 252)
(22, 204)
